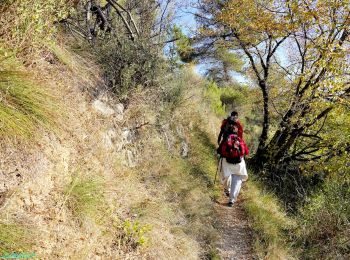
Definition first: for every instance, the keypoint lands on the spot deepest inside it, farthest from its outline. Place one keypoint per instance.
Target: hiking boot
(230, 204)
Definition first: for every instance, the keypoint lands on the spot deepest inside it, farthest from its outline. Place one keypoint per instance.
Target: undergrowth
(326, 217)
(270, 223)
(14, 238)
(84, 198)
(28, 24)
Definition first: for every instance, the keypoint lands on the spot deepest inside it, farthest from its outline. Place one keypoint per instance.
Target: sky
(186, 20)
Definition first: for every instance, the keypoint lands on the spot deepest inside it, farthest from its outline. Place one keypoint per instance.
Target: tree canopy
(313, 38)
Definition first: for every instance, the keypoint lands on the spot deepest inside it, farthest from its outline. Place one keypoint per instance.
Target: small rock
(108, 138)
(130, 159)
(102, 108)
(184, 149)
(128, 135)
(119, 112)
(119, 108)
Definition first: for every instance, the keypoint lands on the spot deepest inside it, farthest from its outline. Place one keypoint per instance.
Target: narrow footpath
(235, 234)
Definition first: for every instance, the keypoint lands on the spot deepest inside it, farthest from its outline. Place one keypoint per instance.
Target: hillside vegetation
(108, 134)
(89, 170)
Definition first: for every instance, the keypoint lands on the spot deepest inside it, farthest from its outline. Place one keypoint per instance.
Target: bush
(129, 64)
(28, 23)
(232, 98)
(213, 95)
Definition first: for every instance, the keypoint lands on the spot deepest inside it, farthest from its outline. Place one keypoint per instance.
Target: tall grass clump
(14, 238)
(269, 222)
(24, 106)
(85, 198)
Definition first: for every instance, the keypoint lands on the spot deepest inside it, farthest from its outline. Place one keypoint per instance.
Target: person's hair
(234, 113)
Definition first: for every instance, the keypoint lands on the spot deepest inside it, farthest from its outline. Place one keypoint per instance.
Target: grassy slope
(270, 223)
(159, 209)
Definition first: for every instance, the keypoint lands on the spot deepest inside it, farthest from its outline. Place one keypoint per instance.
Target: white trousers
(235, 181)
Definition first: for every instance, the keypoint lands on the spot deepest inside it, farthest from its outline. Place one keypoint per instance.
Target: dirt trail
(235, 233)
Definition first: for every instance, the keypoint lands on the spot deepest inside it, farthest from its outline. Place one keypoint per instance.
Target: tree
(221, 62)
(96, 19)
(315, 33)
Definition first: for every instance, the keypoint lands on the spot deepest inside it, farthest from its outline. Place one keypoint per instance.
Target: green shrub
(134, 233)
(232, 98)
(29, 23)
(212, 94)
(127, 64)
(325, 221)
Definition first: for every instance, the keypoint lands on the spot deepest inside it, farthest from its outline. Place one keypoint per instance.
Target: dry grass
(160, 209)
(25, 107)
(269, 222)
(85, 198)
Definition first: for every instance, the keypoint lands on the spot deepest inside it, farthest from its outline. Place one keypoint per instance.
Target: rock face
(102, 108)
(106, 110)
(115, 138)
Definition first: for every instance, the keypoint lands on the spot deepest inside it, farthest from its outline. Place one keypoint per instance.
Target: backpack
(229, 150)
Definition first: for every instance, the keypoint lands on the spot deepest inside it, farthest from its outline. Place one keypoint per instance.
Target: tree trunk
(266, 123)
(275, 149)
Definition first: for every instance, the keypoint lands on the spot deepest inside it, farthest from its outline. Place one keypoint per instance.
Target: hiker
(225, 128)
(233, 168)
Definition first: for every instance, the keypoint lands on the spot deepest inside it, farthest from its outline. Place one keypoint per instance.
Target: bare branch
(250, 57)
(319, 116)
(162, 17)
(129, 15)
